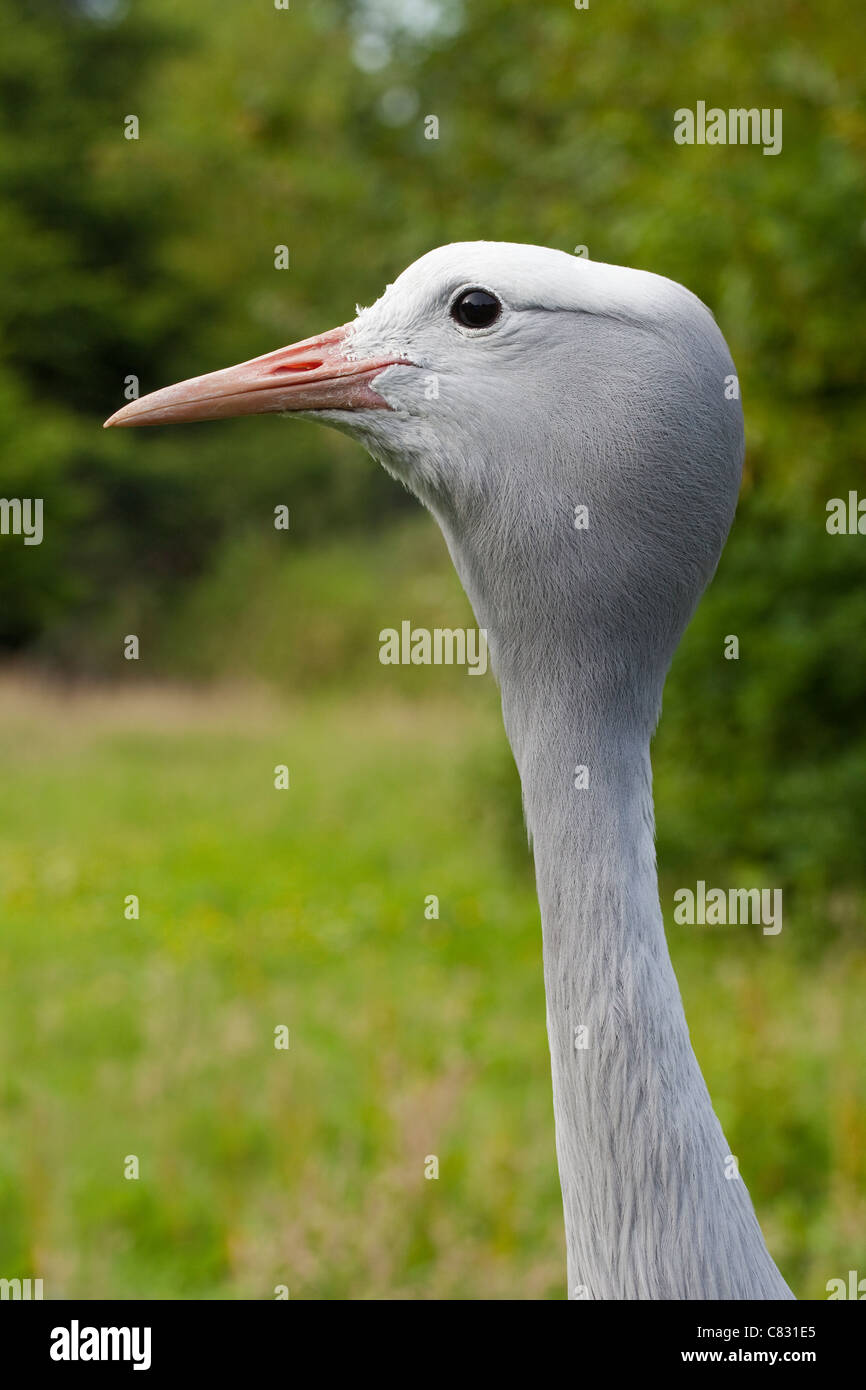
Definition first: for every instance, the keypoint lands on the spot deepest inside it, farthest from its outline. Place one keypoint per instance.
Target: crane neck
(654, 1207)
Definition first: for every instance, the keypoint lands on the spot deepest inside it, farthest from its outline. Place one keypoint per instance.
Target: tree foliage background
(305, 127)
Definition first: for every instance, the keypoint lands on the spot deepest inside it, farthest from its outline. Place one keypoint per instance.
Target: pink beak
(312, 375)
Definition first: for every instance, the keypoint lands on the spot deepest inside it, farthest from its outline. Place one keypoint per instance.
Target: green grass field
(409, 1037)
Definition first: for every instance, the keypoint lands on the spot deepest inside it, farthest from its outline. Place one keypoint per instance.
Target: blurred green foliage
(305, 127)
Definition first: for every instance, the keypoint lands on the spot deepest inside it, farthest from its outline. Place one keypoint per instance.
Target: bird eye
(476, 309)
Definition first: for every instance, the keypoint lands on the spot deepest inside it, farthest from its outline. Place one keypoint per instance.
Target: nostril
(307, 366)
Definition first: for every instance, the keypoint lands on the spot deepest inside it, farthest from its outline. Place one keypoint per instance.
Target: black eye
(476, 309)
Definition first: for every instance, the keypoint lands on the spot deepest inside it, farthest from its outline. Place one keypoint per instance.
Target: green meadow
(410, 1036)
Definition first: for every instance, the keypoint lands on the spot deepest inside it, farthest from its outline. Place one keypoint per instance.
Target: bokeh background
(155, 257)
